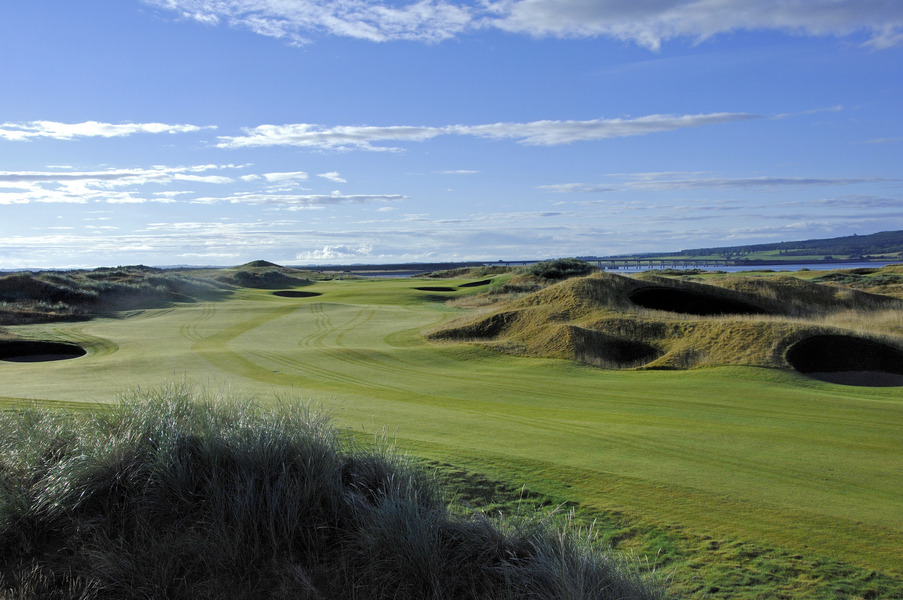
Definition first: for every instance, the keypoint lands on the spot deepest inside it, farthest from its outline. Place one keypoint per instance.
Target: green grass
(758, 462)
(173, 494)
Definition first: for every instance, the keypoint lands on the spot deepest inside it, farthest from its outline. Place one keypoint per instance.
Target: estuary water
(402, 271)
(815, 266)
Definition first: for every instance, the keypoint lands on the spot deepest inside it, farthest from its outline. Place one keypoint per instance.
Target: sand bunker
(847, 360)
(295, 294)
(691, 303)
(436, 289)
(596, 347)
(20, 351)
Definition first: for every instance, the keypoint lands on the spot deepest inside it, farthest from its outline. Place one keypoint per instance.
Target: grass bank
(757, 481)
(168, 496)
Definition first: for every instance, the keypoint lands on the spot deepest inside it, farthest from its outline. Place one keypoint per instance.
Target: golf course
(733, 480)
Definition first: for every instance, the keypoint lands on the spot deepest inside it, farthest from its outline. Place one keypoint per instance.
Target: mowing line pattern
(752, 452)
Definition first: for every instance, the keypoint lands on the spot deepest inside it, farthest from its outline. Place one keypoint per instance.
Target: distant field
(729, 453)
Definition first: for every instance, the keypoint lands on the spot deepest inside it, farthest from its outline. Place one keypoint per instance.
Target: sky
(312, 132)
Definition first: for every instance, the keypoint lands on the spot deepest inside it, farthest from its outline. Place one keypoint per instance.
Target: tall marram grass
(177, 494)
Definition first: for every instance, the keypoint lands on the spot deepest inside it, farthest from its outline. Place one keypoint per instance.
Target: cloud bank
(693, 181)
(120, 186)
(648, 23)
(79, 187)
(337, 252)
(423, 20)
(535, 133)
(30, 130)
(651, 23)
(301, 200)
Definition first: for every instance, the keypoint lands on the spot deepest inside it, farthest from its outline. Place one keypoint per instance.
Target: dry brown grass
(593, 320)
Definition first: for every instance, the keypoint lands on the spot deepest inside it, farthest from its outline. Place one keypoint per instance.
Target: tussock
(796, 297)
(54, 296)
(649, 321)
(175, 495)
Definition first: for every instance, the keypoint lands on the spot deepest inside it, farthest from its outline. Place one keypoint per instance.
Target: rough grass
(674, 323)
(470, 272)
(558, 269)
(699, 566)
(264, 275)
(752, 483)
(170, 496)
(509, 283)
(49, 296)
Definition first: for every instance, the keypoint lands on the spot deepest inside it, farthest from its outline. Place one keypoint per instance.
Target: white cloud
(287, 176)
(66, 131)
(422, 20)
(859, 202)
(693, 181)
(537, 133)
(337, 252)
(572, 188)
(314, 136)
(125, 176)
(651, 23)
(80, 187)
(301, 200)
(648, 23)
(548, 133)
(333, 176)
(458, 172)
(203, 178)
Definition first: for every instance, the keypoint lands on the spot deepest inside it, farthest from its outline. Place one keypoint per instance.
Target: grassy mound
(260, 264)
(886, 280)
(471, 272)
(793, 296)
(651, 321)
(514, 282)
(167, 496)
(55, 296)
(265, 278)
(558, 269)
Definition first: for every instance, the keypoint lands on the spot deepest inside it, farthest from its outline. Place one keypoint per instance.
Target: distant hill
(886, 245)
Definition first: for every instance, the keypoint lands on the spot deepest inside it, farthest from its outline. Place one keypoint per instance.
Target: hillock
(654, 322)
(265, 275)
(47, 296)
(35, 297)
(885, 244)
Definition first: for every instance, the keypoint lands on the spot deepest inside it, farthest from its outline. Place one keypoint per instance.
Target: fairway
(728, 452)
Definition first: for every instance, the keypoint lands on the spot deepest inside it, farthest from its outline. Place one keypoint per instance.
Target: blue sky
(214, 132)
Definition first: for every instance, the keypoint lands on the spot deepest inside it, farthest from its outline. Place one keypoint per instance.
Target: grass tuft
(177, 494)
(649, 321)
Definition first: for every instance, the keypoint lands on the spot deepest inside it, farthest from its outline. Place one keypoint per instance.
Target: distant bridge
(658, 263)
(611, 264)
